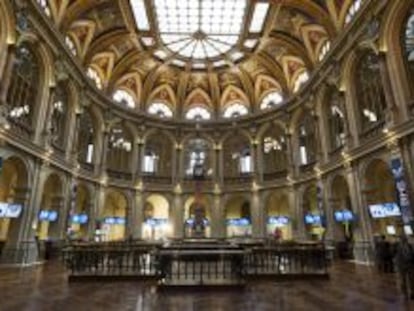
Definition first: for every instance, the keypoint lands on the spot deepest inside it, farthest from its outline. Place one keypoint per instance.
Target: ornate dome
(208, 55)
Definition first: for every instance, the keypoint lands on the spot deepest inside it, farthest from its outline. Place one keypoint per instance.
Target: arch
(15, 180)
(279, 214)
(392, 28)
(115, 209)
(197, 216)
(132, 83)
(165, 94)
(157, 217)
(265, 85)
(238, 216)
(51, 207)
(198, 97)
(233, 94)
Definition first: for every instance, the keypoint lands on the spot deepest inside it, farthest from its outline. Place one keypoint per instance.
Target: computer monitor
(339, 216)
(53, 216)
(14, 210)
(43, 215)
(408, 230)
(391, 230)
(3, 209)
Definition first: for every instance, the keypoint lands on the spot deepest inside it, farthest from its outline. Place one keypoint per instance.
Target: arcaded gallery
(206, 155)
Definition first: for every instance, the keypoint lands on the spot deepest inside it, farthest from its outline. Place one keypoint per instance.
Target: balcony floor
(351, 287)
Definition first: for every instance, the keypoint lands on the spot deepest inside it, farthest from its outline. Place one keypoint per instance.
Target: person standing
(405, 267)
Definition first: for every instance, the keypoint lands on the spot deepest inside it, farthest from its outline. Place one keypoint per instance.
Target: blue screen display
(53, 215)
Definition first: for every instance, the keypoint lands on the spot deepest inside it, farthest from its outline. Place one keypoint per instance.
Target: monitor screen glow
(13, 210)
(53, 215)
(384, 210)
(3, 209)
(391, 230)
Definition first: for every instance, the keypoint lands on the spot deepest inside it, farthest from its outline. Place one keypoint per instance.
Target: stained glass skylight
(200, 29)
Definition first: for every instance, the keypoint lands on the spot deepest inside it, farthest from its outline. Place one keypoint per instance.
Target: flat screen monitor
(391, 230)
(408, 230)
(384, 210)
(120, 220)
(43, 215)
(53, 216)
(14, 210)
(3, 209)
(348, 215)
(309, 219)
(110, 220)
(278, 220)
(83, 219)
(339, 216)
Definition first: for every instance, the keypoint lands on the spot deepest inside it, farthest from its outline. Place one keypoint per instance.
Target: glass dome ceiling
(200, 29)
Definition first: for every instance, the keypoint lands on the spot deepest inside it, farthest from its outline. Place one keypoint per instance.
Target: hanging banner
(402, 190)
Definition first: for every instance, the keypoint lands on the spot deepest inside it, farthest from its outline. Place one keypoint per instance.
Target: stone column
(97, 206)
(362, 230)
(328, 211)
(258, 227)
(295, 202)
(57, 229)
(92, 214)
(100, 167)
(136, 215)
(218, 226)
(178, 212)
(5, 78)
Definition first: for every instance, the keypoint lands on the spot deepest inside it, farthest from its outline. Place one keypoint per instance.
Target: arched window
(119, 150)
(94, 76)
(307, 141)
(237, 157)
(409, 44)
(324, 50)
(197, 158)
(150, 162)
(45, 7)
(370, 97)
(124, 98)
(86, 139)
(352, 11)
(157, 159)
(271, 100)
(23, 91)
(160, 109)
(302, 78)
(198, 113)
(274, 152)
(235, 110)
(336, 120)
(59, 117)
(71, 45)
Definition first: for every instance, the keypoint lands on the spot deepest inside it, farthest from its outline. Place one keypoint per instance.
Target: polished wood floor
(351, 287)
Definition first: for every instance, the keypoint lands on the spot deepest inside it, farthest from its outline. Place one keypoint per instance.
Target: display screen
(14, 210)
(384, 210)
(311, 219)
(46, 215)
(278, 220)
(80, 219)
(391, 230)
(343, 216)
(408, 230)
(53, 215)
(3, 209)
(115, 220)
(238, 222)
(190, 221)
(155, 222)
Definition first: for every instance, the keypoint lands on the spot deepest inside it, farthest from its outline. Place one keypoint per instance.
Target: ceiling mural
(209, 46)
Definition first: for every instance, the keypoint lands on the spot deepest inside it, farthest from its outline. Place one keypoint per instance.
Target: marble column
(258, 227)
(178, 212)
(136, 215)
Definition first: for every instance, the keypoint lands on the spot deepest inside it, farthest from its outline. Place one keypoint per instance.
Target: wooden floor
(350, 288)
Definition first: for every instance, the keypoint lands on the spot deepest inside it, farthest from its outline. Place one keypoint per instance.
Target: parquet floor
(351, 287)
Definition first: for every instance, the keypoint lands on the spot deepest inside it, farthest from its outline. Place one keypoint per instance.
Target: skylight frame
(201, 23)
(139, 11)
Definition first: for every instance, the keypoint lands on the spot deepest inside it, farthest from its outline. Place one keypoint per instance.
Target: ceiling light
(259, 16)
